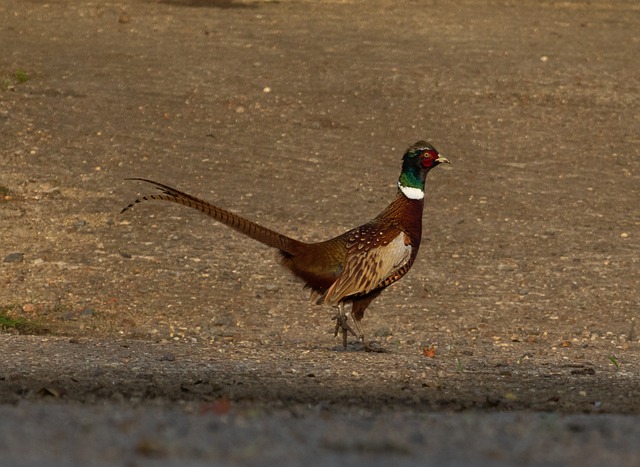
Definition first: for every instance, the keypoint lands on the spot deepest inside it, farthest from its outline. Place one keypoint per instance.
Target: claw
(342, 325)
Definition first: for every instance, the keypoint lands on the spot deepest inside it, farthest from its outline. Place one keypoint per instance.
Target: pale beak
(442, 159)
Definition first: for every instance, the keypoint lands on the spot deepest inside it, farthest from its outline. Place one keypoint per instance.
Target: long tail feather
(251, 229)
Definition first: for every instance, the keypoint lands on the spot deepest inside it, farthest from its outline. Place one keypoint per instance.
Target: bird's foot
(342, 325)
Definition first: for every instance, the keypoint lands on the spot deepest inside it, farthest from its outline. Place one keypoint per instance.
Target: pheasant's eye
(428, 157)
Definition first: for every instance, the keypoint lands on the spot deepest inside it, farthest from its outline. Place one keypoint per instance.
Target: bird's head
(417, 161)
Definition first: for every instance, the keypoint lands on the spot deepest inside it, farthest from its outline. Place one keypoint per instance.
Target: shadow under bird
(354, 267)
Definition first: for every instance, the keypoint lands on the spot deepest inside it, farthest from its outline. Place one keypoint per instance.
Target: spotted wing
(370, 264)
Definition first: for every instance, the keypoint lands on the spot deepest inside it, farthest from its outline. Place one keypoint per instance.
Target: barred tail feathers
(240, 224)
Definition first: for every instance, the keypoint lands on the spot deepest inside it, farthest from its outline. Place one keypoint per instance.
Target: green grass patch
(11, 324)
(614, 361)
(10, 80)
(21, 76)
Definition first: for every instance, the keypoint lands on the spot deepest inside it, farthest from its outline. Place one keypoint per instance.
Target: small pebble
(124, 18)
(88, 312)
(14, 258)
(168, 357)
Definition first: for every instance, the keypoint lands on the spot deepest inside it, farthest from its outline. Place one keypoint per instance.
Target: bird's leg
(357, 323)
(357, 313)
(342, 325)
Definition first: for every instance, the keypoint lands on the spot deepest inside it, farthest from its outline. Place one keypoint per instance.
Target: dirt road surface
(161, 337)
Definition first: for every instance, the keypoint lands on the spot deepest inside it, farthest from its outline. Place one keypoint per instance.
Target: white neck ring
(411, 192)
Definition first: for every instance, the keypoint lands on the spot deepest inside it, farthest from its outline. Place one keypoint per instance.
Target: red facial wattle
(428, 158)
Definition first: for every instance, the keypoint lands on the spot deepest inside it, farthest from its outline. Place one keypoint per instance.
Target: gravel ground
(127, 402)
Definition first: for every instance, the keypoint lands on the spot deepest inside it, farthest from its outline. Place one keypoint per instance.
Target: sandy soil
(164, 335)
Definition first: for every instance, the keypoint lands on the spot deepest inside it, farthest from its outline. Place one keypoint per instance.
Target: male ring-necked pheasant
(353, 267)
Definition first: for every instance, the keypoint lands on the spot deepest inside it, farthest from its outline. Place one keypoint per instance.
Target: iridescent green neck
(411, 183)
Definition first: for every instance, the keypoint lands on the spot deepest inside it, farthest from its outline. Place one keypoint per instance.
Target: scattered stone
(49, 392)
(14, 258)
(88, 312)
(124, 18)
(584, 371)
(50, 190)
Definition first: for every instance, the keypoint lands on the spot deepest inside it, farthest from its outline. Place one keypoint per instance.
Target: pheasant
(354, 267)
